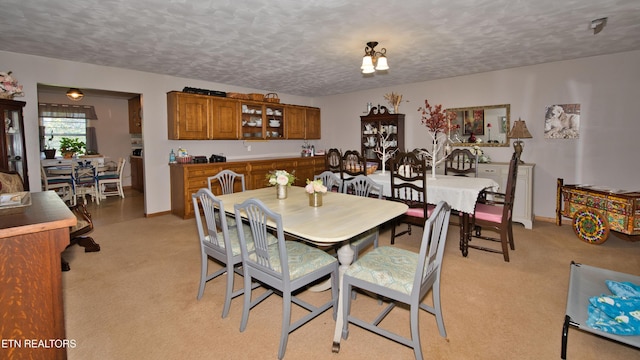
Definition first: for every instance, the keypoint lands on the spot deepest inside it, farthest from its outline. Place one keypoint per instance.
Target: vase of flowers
(438, 123)
(9, 87)
(281, 179)
(315, 189)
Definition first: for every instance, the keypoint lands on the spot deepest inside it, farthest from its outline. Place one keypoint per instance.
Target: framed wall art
(562, 121)
(474, 122)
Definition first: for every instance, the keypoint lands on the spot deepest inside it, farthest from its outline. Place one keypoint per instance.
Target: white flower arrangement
(9, 85)
(280, 177)
(315, 186)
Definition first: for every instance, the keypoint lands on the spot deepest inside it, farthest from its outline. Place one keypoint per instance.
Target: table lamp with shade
(519, 131)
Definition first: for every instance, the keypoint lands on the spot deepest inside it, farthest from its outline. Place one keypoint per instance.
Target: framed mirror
(481, 125)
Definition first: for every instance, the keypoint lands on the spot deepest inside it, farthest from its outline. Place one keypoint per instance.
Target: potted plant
(71, 146)
(49, 151)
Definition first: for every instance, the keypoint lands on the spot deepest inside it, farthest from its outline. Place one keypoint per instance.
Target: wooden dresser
(187, 179)
(31, 307)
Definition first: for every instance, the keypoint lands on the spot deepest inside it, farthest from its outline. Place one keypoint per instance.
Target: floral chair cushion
(235, 240)
(303, 259)
(375, 267)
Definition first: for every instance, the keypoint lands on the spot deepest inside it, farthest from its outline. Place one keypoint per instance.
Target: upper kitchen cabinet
(313, 129)
(135, 115)
(204, 117)
(302, 122)
(201, 117)
(294, 118)
(188, 116)
(224, 121)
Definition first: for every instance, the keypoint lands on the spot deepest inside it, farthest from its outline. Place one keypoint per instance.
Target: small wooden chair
(461, 162)
(78, 233)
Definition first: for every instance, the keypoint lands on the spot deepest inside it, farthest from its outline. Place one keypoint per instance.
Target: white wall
(605, 86)
(31, 70)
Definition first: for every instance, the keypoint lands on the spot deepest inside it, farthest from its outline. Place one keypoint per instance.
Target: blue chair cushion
(387, 266)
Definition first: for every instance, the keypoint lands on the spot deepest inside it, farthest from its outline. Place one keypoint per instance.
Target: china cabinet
(378, 126)
(13, 156)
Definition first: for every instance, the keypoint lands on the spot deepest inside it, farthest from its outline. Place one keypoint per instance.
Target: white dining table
(460, 192)
(340, 218)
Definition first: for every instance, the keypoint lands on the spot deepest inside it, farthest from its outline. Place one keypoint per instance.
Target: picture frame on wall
(562, 121)
(474, 122)
(503, 124)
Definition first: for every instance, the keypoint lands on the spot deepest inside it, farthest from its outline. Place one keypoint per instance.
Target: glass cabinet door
(13, 142)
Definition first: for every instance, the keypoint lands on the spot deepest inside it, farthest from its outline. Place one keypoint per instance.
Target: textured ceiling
(314, 47)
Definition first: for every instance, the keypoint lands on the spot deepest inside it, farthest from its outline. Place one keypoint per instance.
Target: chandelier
(75, 94)
(374, 60)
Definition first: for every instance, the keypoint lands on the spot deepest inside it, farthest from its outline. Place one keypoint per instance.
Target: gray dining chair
(331, 180)
(286, 266)
(362, 185)
(220, 242)
(227, 179)
(401, 276)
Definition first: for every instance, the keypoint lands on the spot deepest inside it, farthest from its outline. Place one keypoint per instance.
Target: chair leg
(87, 243)
(229, 291)
(286, 323)
(437, 308)
(246, 303)
(203, 274)
(415, 330)
(504, 233)
(393, 232)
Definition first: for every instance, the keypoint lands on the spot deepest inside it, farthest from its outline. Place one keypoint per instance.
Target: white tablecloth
(460, 192)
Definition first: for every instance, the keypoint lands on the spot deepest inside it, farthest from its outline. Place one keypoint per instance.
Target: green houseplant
(71, 146)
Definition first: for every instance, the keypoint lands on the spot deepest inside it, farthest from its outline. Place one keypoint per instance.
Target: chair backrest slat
(461, 162)
(227, 180)
(362, 185)
(409, 180)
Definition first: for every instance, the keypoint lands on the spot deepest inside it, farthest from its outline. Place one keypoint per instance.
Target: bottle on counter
(172, 157)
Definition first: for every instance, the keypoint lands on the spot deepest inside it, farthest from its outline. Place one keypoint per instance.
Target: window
(61, 120)
(56, 128)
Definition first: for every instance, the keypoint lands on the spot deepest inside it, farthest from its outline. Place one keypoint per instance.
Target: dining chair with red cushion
(409, 185)
(495, 213)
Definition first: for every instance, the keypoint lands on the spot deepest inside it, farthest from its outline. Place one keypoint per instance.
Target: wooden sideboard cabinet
(31, 302)
(187, 179)
(523, 205)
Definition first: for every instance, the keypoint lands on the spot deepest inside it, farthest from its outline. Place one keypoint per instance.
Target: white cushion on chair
(387, 266)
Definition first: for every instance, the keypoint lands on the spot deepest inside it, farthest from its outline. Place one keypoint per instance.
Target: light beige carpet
(136, 299)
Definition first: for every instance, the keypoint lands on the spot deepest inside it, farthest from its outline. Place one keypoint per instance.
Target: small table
(460, 192)
(329, 224)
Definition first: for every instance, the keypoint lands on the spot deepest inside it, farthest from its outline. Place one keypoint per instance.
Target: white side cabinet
(523, 205)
